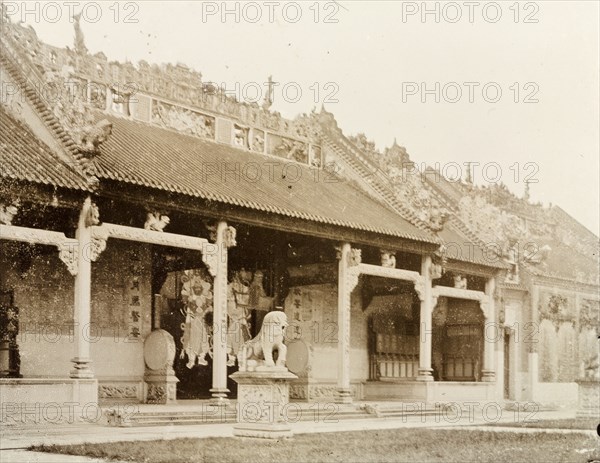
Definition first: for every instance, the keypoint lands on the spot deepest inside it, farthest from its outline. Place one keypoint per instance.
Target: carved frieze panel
(117, 391)
(556, 308)
(287, 148)
(183, 120)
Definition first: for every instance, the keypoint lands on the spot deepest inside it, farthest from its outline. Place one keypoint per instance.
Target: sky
(513, 86)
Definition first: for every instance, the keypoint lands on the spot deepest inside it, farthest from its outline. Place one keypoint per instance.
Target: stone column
(426, 322)
(82, 301)
(488, 373)
(347, 280)
(219, 366)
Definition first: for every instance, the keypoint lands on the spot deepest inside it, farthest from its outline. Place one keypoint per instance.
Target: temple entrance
(174, 311)
(184, 308)
(393, 336)
(457, 344)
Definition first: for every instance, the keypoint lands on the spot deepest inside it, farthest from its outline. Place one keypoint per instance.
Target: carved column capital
(229, 235)
(92, 214)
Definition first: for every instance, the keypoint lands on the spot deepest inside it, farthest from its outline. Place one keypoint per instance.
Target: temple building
(146, 230)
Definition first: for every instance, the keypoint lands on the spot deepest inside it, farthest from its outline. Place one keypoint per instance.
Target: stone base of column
(588, 398)
(219, 397)
(488, 376)
(343, 396)
(81, 368)
(262, 402)
(425, 374)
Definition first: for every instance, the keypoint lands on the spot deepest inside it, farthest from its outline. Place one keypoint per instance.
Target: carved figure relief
(198, 299)
(244, 293)
(183, 120)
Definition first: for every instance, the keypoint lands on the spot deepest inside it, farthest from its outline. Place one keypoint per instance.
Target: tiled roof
(462, 245)
(565, 263)
(23, 157)
(149, 156)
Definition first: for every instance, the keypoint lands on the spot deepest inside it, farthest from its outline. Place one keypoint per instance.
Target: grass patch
(587, 424)
(392, 445)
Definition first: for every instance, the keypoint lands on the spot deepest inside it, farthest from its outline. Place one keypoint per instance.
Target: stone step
(154, 418)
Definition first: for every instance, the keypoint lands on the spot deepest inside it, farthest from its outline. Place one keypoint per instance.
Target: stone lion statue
(259, 351)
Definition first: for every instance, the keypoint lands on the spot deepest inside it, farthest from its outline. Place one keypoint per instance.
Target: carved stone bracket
(420, 288)
(210, 258)
(484, 306)
(98, 243)
(67, 253)
(352, 279)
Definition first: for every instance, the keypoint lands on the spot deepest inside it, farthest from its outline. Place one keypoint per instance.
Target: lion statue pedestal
(264, 383)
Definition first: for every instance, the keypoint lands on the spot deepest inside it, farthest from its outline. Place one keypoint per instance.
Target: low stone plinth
(588, 404)
(262, 401)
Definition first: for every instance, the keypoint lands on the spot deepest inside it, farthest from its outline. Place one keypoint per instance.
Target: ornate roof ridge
(175, 83)
(368, 174)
